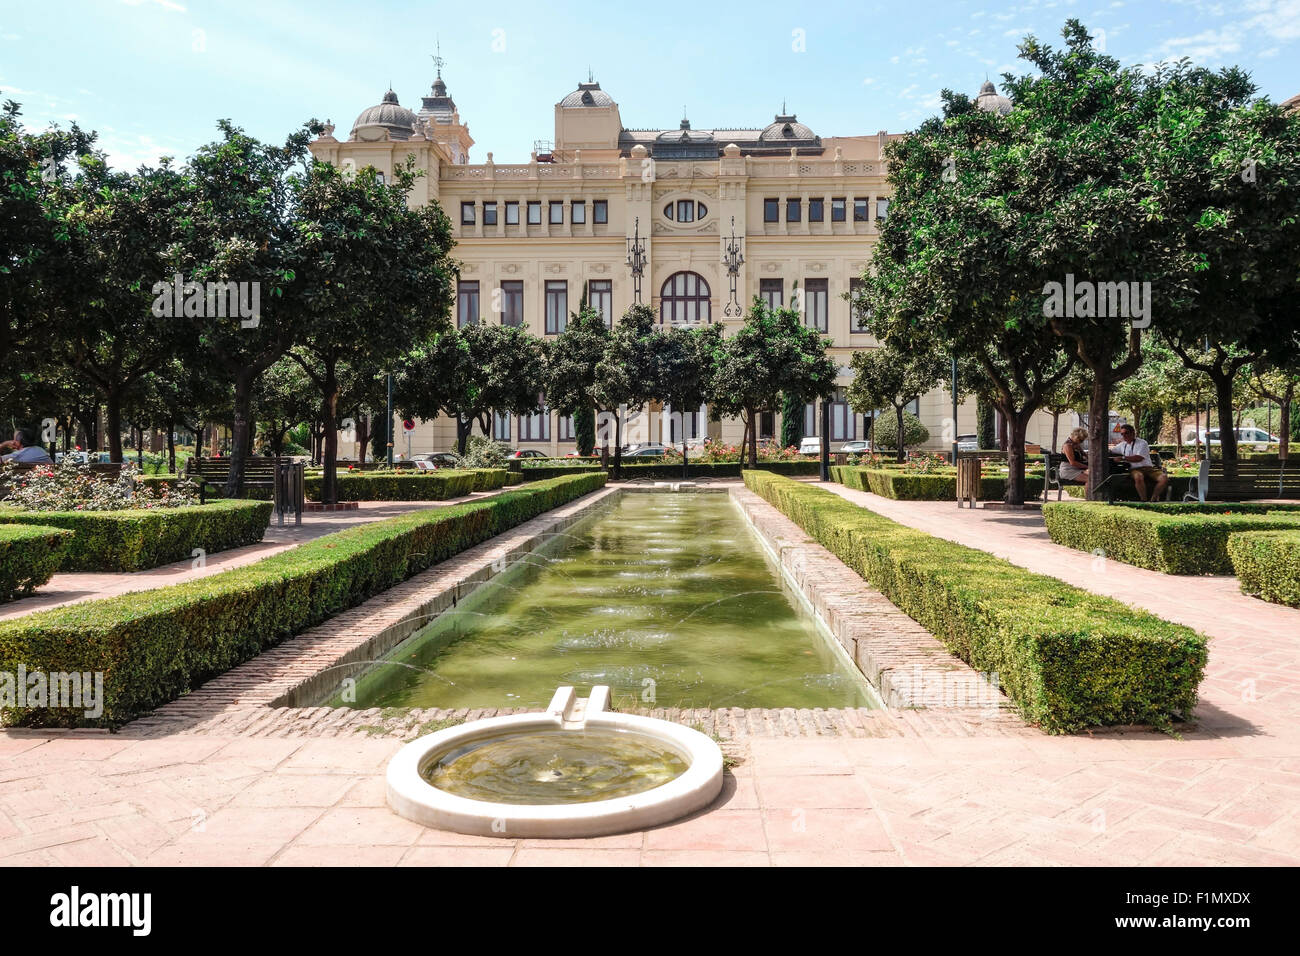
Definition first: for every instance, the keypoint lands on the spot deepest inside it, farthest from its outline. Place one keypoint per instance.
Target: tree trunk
(113, 425)
(1284, 422)
(753, 438)
(1098, 434)
(171, 447)
(618, 442)
(1223, 403)
(139, 448)
(1178, 434)
(901, 441)
(1002, 432)
(363, 435)
(684, 448)
(239, 446)
(1018, 424)
(463, 427)
(329, 408)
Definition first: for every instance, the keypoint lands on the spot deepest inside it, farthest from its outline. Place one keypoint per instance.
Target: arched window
(685, 298)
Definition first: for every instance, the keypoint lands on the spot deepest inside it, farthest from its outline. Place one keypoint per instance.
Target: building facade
(533, 238)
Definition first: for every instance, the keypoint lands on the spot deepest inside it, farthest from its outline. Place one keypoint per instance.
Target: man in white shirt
(1137, 453)
(25, 449)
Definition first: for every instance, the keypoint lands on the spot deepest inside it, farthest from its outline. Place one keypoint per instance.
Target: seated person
(1137, 453)
(25, 449)
(1074, 470)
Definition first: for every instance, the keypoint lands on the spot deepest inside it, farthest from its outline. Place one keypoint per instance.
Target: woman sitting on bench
(1074, 470)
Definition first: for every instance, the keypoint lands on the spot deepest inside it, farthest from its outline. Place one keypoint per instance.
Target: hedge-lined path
(73, 587)
(1253, 677)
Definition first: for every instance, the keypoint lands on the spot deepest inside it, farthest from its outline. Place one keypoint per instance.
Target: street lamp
(636, 259)
(390, 419)
(733, 259)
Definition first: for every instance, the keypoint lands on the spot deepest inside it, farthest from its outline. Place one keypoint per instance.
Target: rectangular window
(837, 209)
(534, 213)
(882, 210)
(601, 296)
(557, 305)
(843, 422)
(685, 210)
(466, 304)
(810, 420)
(600, 211)
(501, 426)
(512, 302)
(467, 214)
(771, 291)
(688, 422)
(578, 212)
(557, 212)
(817, 292)
(565, 425)
(816, 210)
(793, 210)
(535, 427)
(771, 210)
(489, 214)
(857, 316)
(512, 214)
(860, 213)
(766, 426)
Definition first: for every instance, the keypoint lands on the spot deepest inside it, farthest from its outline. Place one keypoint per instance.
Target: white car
(811, 445)
(1257, 437)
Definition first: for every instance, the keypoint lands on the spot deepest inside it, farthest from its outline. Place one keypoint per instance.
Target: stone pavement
(75, 586)
(917, 787)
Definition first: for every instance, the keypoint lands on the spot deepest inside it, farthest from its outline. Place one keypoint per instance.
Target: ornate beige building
(532, 237)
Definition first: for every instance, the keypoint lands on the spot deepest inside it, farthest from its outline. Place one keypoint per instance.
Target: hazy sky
(153, 76)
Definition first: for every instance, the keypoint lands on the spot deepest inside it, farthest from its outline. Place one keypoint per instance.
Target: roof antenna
(438, 61)
(591, 77)
(783, 113)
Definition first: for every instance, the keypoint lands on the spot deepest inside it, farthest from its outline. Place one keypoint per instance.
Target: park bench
(1052, 462)
(1121, 479)
(1244, 480)
(258, 472)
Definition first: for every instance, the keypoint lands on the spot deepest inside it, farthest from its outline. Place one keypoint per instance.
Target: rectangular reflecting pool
(669, 598)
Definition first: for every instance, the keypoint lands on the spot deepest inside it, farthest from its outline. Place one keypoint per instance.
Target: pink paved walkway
(927, 788)
(73, 587)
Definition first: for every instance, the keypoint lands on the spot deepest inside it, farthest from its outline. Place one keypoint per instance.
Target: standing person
(25, 449)
(1137, 453)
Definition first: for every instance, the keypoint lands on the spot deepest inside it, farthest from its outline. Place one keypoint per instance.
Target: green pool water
(669, 598)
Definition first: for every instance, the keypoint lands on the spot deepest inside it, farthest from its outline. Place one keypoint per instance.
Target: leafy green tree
(984, 424)
(372, 275)
(914, 432)
(885, 377)
(1279, 385)
(627, 375)
(283, 398)
(791, 421)
(573, 381)
(686, 360)
(771, 354)
(469, 373)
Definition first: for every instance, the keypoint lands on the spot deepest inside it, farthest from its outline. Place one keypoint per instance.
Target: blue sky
(153, 76)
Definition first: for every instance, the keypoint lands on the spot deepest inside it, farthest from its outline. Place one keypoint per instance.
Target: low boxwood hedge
(893, 483)
(154, 646)
(398, 486)
(668, 471)
(489, 479)
(1068, 659)
(1267, 564)
(29, 556)
(139, 539)
(1169, 538)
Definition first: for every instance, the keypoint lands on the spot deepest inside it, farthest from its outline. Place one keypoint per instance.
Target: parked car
(648, 450)
(812, 445)
(968, 443)
(1245, 436)
(858, 447)
(435, 460)
(527, 453)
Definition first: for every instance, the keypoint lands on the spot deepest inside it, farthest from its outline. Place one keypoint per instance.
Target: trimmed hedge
(1159, 538)
(394, 486)
(1268, 564)
(1068, 659)
(143, 538)
(489, 479)
(154, 646)
(29, 556)
(892, 483)
(665, 471)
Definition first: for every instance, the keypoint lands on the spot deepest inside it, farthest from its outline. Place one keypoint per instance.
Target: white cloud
(165, 4)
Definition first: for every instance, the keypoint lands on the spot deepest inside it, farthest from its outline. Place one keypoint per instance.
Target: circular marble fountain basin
(412, 796)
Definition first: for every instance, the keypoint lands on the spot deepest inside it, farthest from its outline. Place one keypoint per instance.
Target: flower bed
(139, 539)
(29, 556)
(1172, 538)
(1068, 659)
(154, 646)
(1267, 563)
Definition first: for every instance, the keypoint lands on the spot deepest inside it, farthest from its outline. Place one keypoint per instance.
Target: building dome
(588, 94)
(389, 115)
(991, 101)
(785, 127)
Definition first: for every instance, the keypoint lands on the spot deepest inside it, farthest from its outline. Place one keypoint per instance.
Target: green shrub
(1268, 564)
(154, 646)
(894, 483)
(29, 556)
(1155, 537)
(489, 479)
(1067, 659)
(914, 432)
(397, 485)
(136, 540)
